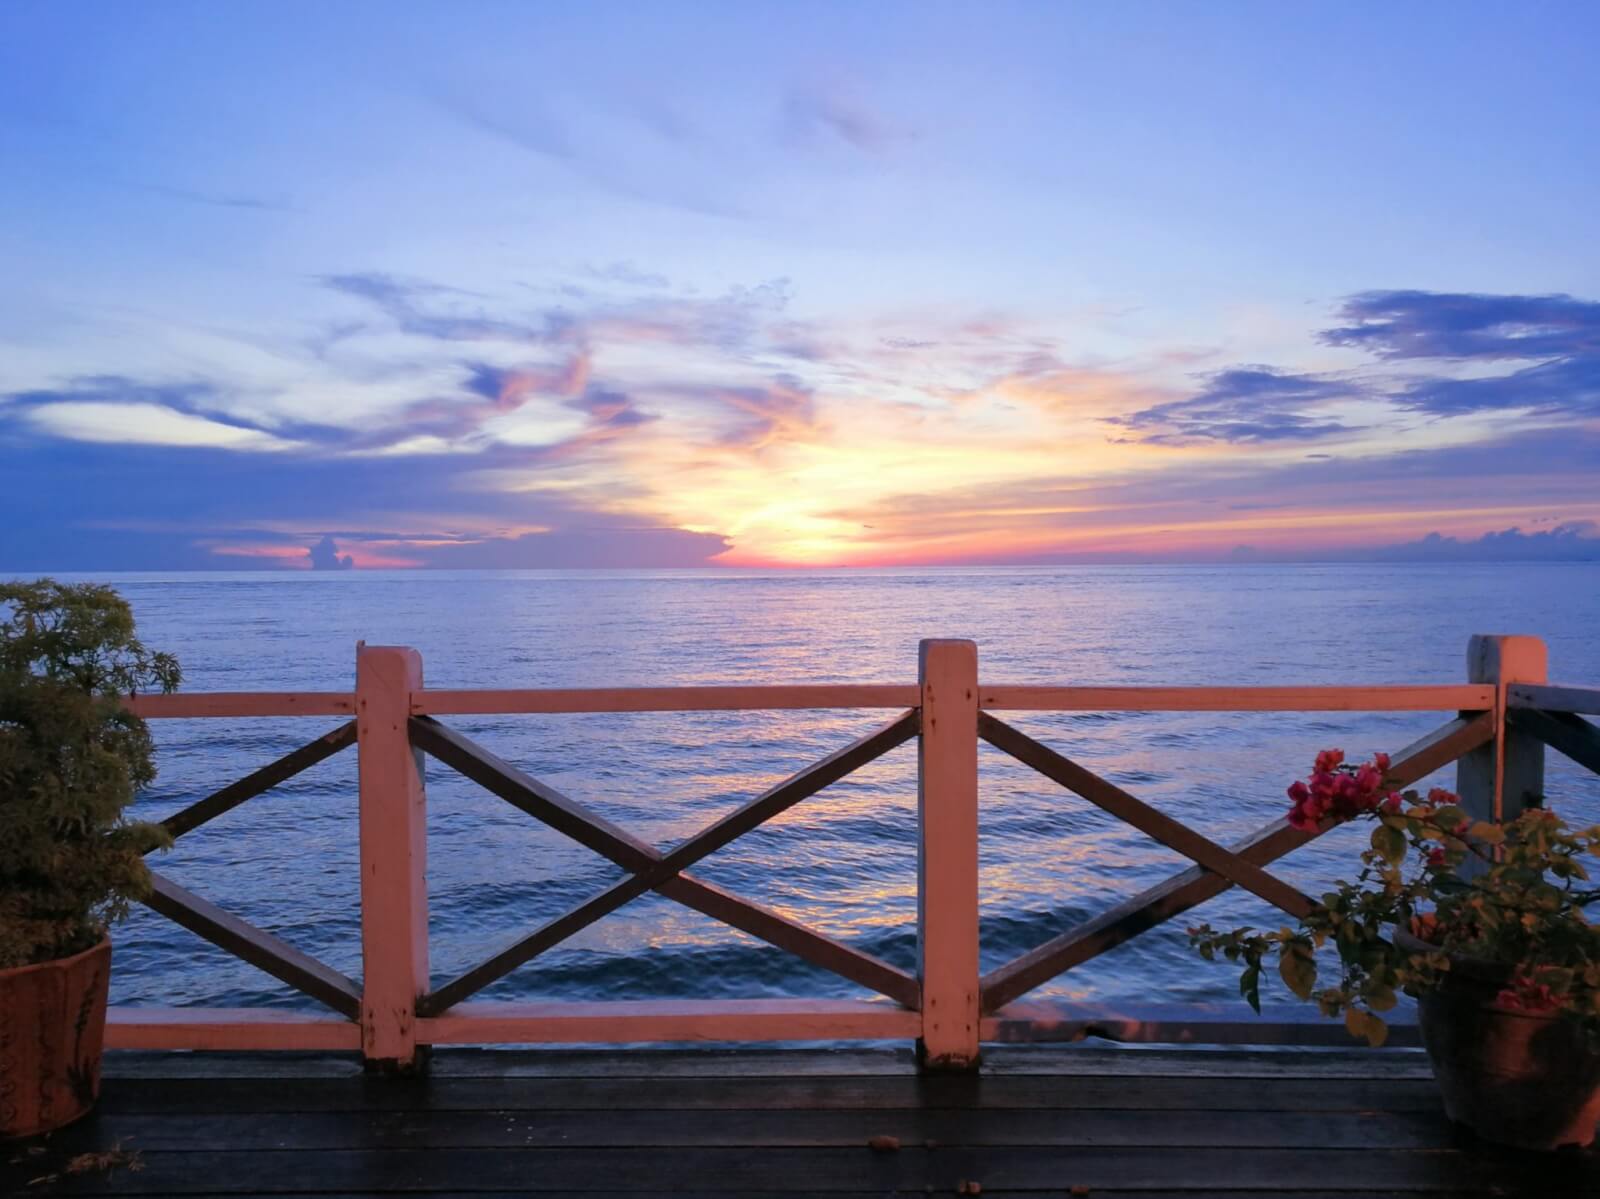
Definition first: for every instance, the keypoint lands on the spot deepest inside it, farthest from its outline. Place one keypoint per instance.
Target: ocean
(845, 860)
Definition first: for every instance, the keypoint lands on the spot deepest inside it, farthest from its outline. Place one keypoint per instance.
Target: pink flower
(1528, 995)
(1393, 804)
(1436, 857)
(1328, 761)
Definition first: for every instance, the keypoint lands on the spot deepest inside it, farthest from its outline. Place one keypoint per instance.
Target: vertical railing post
(1498, 780)
(394, 855)
(947, 854)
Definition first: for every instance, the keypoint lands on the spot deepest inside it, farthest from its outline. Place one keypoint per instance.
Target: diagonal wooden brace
(1564, 732)
(250, 944)
(653, 870)
(256, 782)
(1171, 833)
(1178, 894)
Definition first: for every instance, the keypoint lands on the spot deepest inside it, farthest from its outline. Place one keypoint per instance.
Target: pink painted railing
(1503, 717)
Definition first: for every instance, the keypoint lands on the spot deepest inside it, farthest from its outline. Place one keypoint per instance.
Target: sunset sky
(523, 285)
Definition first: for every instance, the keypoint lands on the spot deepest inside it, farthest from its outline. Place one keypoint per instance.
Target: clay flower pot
(1514, 1077)
(52, 1028)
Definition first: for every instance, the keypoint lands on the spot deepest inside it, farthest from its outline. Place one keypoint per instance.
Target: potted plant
(1483, 923)
(71, 758)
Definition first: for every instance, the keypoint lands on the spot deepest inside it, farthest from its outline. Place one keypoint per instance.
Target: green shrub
(71, 759)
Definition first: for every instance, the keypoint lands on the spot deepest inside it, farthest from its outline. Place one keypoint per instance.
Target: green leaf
(1250, 987)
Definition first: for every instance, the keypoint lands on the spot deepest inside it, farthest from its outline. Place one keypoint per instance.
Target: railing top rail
(1403, 698)
(997, 697)
(243, 703)
(1554, 697)
(664, 699)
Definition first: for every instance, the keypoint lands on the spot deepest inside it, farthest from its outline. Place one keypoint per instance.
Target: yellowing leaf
(1487, 832)
(1390, 844)
(1298, 971)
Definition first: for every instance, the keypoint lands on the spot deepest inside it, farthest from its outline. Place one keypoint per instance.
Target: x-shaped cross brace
(650, 869)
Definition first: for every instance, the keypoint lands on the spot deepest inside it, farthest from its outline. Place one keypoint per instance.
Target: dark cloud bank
(1435, 336)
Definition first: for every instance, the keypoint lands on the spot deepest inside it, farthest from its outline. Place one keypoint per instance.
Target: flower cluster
(1510, 898)
(1526, 993)
(1339, 791)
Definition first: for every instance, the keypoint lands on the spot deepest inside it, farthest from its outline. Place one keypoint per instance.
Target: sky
(679, 284)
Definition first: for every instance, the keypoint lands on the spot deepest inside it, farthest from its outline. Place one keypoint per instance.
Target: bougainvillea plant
(71, 759)
(1511, 895)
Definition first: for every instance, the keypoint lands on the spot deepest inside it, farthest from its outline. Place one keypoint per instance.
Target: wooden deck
(1035, 1121)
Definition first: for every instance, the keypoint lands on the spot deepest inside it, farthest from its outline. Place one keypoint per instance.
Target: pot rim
(103, 944)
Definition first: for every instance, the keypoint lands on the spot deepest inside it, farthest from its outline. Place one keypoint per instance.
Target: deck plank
(1133, 1124)
(812, 1170)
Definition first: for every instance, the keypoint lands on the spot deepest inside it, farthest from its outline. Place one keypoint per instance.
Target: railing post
(394, 855)
(1498, 780)
(947, 854)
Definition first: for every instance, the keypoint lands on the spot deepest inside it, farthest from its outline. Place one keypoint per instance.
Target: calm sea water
(844, 861)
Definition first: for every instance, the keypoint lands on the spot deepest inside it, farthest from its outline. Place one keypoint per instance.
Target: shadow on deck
(1066, 1122)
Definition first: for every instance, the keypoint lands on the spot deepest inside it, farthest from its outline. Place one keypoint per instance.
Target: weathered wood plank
(1442, 698)
(1056, 1092)
(665, 699)
(947, 854)
(620, 1021)
(227, 1029)
(521, 790)
(394, 855)
(210, 704)
(665, 1127)
(1562, 731)
(1554, 697)
(1151, 821)
(1500, 779)
(1194, 886)
(779, 930)
(264, 779)
(705, 1062)
(1176, 1024)
(250, 944)
(652, 868)
(822, 1170)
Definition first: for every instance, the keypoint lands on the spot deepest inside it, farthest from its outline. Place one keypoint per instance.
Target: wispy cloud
(1242, 406)
(1451, 325)
(815, 111)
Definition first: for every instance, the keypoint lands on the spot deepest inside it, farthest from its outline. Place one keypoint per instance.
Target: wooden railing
(1501, 720)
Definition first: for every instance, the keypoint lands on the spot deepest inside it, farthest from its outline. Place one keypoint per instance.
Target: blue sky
(523, 284)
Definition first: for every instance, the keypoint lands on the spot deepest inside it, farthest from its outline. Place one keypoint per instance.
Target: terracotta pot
(1531, 1081)
(52, 1028)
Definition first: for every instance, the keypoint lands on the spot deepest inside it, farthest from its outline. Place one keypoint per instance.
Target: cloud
(1564, 386)
(604, 147)
(586, 546)
(1244, 405)
(1560, 335)
(811, 113)
(1577, 541)
(325, 556)
(147, 424)
(1462, 326)
(431, 310)
(214, 200)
